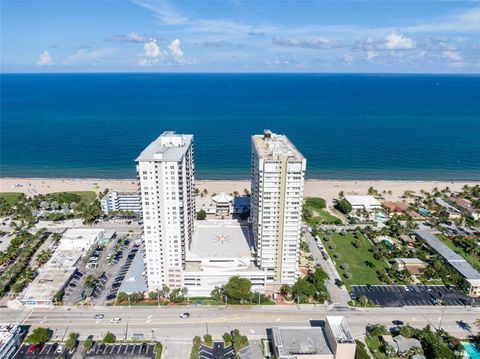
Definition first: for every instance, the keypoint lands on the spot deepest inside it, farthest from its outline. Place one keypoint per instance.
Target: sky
(240, 36)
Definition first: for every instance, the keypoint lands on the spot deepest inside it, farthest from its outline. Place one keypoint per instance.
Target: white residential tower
(278, 171)
(166, 173)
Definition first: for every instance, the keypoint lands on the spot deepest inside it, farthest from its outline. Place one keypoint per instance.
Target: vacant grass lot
(316, 207)
(10, 197)
(357, 259)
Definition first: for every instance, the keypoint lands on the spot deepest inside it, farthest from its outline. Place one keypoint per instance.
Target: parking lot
(113, 285)
(48, 350)
(412, 295)
(103, 268)
(141, 351)
(218, 351)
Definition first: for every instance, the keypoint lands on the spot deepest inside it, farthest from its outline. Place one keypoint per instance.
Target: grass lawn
(10, 197)
(87, 196)
(316, 207)
(355, 258)
(472, 259)
(375, 346)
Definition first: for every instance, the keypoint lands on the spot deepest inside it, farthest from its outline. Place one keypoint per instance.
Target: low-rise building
(367, 203)
(399, 344)
(223, 204)
(334, 341)
(221, 249)
(395, 207)
(81, 239)
(125, 201)
(10, 340)
(470, 274)
(54, 275)
(414, 266)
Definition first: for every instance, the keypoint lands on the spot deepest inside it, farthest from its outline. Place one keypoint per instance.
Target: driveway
(339, 296)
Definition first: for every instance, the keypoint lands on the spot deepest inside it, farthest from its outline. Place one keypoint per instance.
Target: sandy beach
(327, 189)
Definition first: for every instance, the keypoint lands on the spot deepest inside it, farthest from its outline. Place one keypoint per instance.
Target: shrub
(331, 246)
(109, 338)
(227, 338)
(201, 215)
(361, 351)
(345, 266)
(347, 275)
(207, 338)
(343, 206)
(88, 344)
(71, 342)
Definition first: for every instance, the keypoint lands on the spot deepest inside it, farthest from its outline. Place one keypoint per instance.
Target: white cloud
(162, 10)
(84, 55)
(348, 58)
(45, 59)
(452, 56)
(151, 54)
(316, 43)
(131, 37)
(283, 60)
(394, 41)
(176, 51)
(371, 55)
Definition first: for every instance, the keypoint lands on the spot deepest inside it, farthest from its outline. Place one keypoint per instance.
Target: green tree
(71, 342)
(286, 290)
(343, 206)
(408, 331)
(361, 351)
(109, 338)
(227, 339)
(38, 336)
(217, 294)
(88, 344)
(207, 338)
(238, 289)
(377, 330)
(201, 215)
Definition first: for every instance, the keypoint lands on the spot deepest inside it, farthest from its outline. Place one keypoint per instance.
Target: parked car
(60, 349)
(32, 349)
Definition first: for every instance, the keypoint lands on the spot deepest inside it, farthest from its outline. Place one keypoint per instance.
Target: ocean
(415, 127)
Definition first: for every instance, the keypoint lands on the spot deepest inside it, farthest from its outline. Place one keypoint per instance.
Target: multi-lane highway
(165, 322)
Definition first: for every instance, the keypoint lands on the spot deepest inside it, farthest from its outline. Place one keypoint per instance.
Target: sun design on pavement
(221, 238)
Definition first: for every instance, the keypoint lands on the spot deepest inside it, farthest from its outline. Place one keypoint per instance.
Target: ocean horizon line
(446, 74)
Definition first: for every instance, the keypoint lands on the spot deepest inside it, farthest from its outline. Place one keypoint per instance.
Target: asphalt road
(165, 323)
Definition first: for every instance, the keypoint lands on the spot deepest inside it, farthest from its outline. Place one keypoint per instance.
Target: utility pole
(206, 324)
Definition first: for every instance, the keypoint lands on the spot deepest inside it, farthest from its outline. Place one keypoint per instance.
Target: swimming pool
(472, 350)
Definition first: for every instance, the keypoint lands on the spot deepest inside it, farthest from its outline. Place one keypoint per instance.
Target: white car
(116, 320)
(185, 315)
(99, 316)
(60, 349)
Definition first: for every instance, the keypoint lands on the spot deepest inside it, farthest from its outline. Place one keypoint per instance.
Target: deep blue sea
(416, 127)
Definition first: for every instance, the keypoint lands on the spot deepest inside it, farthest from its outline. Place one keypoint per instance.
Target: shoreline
(325, 188)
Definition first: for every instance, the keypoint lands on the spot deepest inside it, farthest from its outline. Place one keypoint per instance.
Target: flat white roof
(7, 332)
(168, 147)
(340, 329)
(271, 146)
(365, 201)
(53, 275)
(221, 239)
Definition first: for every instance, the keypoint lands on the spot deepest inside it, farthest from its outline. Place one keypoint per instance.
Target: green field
(10, 197)
(470, 258)
(315, 206)
(356, 258)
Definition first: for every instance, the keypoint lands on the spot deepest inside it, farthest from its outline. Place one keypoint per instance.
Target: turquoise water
(416, 127)
(472, 350)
